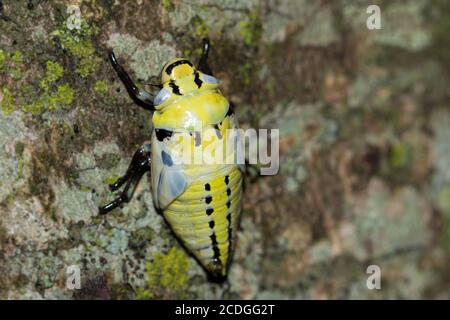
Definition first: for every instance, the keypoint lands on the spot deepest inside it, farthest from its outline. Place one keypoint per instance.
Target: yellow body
(209, 237)
(201, 202)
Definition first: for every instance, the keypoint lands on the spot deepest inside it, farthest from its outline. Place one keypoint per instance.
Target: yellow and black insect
(201, 203)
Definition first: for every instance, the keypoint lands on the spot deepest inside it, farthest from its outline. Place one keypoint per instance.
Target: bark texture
(364, 125)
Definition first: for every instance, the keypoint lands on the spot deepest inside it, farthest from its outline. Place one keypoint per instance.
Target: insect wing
(168, 179)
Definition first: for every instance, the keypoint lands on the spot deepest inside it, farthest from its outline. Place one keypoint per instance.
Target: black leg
(142, 97)
(139, 165)
(203, 65)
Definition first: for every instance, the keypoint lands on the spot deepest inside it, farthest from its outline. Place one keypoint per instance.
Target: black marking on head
(208, 199)
(175, 88)
(218, 133)
(228, 191)
(209, 211)
(177, 63)
(228, 204)
(227, 179)
(207, 187)
(211, 224)
(197, 80)
(197, 138)
(166, 158)
(163, 133)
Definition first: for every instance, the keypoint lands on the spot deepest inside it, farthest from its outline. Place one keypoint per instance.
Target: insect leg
(139, 158)
(142, 97)
(203, 65)
(139, 165)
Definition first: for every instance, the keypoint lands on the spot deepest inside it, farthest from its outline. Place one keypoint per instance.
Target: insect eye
(209, 79)
(161, 134)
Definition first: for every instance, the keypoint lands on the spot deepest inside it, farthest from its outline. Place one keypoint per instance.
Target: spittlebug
(201, 203)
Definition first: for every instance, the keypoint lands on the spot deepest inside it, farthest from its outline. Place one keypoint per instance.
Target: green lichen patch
(246, 72)
(54, 72)
(167, 275)
(400, 155)
(16, 57)
(111, 179)
(54, 97)
(7, 102)
(199, 27)
(61, 99)
(64, 97)
(11, 64)
(101, 87)
(2, 60)
(80, 44)
(251, 29)
(167, 5)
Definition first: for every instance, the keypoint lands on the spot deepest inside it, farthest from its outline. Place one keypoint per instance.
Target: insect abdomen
(205, 218)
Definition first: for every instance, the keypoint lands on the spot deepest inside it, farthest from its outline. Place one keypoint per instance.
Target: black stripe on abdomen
(230, 229)
(215, 247)
(214, 243)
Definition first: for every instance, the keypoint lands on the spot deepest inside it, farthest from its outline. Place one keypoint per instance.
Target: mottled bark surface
(364, 125)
